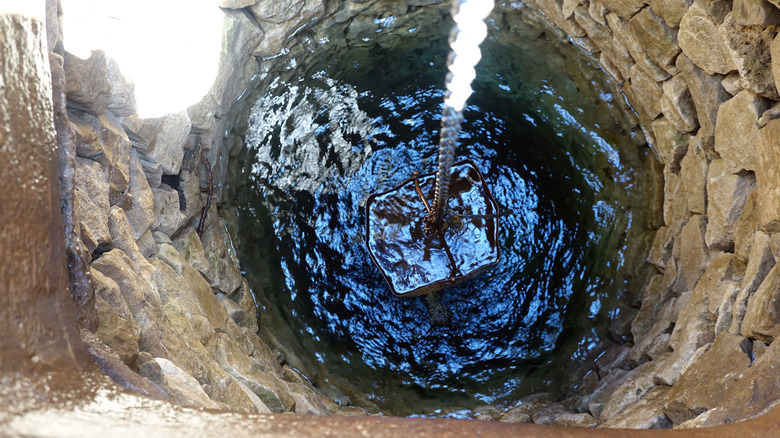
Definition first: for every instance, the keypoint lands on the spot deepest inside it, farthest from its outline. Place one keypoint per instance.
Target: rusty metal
(416, 258)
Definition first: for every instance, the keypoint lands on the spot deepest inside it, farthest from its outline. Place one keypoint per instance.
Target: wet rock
(182, 387)
(672, 145)
(763, 315)
(749, 47)
(726, 196)
(768, 177)
(91, 196)
(701, 39)
(88, 82)
(760, 262)
(166, 141)
(168, 217)
(710, 379)
(140, 215)
(245, 300)
(646, 413)
(693, 173)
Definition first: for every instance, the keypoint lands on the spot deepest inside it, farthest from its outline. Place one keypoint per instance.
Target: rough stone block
(140, 214)
(753, 394)
(136, 290)
(647, 413)
(621, 31)
(250, 372)
(657, 39)
(768, 176)
(774, 53)
(762, 316)
(760, 262)
(91, 199)
(694, 255)
(677, 105)
(736, 131)
(671, 11)
(707, 93)
(647, 91)
(755, 12)
(116, 326)
(749, 47)
(182, 387)
(277, 12)
(625, 9)
(745, 226)
(88, 145)
(168, 217)
(122, 102)
(710, 379)
(88, 82)
(661, 249)
(167, 148)
(672, 145)
(693, 173)
(695, 324)
(700, 38)
(114, 153)
(726, 196)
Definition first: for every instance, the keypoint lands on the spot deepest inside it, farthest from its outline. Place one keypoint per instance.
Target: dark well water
(355, 110)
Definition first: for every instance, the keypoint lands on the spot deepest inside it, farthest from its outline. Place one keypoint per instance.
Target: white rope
(469, 31)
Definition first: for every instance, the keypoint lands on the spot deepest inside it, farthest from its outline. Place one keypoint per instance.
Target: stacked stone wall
(703, 79)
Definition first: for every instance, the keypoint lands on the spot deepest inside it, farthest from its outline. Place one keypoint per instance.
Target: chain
(469, 31)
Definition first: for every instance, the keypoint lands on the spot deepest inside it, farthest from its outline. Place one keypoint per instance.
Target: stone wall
(164, 290)
(701, 78)
(171, 303)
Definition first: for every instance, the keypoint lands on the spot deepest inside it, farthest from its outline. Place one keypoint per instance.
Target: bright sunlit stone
(169, 49)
